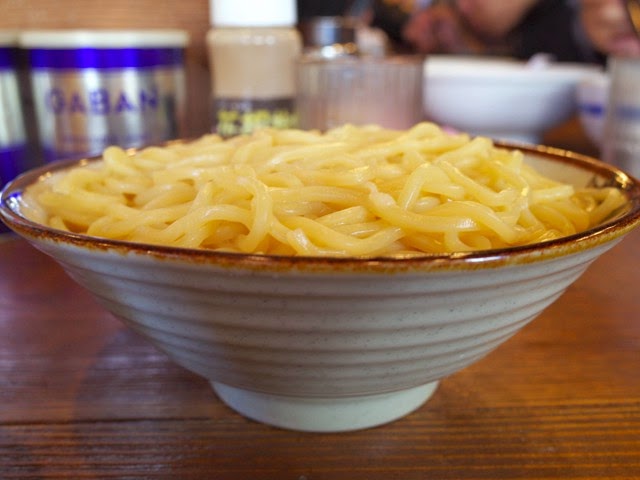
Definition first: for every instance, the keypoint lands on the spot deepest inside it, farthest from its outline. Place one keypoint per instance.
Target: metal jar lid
(329, 36)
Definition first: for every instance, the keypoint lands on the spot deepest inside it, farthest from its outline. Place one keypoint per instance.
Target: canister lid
(323, 31)
(253, 13)
(103, 38)
(8, 38)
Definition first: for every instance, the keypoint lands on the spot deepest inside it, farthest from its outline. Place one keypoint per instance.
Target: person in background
(569, 30)
(356, 9)
(518, 28)
(608, 27)
(326, 8)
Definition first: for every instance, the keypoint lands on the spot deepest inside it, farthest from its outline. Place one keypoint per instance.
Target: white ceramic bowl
(500, 98)
(322, 344)
(592, 95)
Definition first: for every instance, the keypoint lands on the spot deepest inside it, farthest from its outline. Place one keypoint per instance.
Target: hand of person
(494, 19)
(439, 29)
(464, 26)
(609, 28)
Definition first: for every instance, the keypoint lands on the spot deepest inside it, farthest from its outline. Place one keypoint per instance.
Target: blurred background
(518, 29)
(390, 16)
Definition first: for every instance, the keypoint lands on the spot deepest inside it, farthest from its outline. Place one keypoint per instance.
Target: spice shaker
(252, 48)
(360, 90)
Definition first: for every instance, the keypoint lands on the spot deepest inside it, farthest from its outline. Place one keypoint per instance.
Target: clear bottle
(253, 46)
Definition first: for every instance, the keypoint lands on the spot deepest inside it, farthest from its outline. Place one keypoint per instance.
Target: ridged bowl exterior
(336, 332)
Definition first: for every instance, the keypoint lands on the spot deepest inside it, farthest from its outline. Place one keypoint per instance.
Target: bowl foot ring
(321, 414)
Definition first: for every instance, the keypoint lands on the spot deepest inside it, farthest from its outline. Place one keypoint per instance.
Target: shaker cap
(8, 38)
(253, 13)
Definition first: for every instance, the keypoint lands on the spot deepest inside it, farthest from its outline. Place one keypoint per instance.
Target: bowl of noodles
(326, 281)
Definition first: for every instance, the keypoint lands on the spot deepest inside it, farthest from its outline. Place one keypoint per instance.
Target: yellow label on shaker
(236, 117)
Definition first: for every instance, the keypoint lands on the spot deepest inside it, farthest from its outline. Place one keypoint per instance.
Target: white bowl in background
(330, 344)
(501, 98)
(592, 94)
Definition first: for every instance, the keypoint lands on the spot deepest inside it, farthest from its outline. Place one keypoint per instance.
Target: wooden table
(83, 397)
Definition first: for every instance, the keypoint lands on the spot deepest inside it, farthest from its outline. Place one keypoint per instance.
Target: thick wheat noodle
(352, 191)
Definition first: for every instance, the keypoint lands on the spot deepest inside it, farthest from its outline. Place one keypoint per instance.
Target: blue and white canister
(93, 89)
(13, 138)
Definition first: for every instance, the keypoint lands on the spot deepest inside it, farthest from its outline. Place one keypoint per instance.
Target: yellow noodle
(351, 191)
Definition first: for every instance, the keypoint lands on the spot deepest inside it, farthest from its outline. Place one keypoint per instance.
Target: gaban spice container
(92, 89)
(13, 138)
